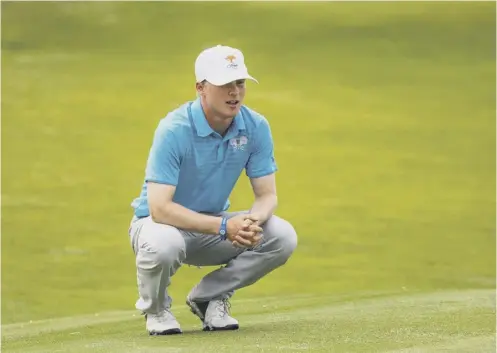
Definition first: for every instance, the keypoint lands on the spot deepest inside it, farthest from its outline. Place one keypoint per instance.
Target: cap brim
(220, 81)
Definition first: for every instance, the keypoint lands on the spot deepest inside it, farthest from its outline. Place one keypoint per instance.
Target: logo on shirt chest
(239, 143)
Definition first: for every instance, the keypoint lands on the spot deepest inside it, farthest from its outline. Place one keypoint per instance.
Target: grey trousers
(161, 249)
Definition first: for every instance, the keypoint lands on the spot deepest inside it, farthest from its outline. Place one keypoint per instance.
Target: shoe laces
(164, 316)
(223, 307)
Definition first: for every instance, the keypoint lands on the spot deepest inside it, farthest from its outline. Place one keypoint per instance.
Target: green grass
(383, 116)
(438, 320)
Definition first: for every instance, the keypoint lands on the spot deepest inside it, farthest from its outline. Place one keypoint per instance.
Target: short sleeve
(261, 161)
(164, 160)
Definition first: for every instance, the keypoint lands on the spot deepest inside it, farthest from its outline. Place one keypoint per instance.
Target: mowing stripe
(463, 345)
(32, 328)
(419, 303)
(419, 307)
(324, 306)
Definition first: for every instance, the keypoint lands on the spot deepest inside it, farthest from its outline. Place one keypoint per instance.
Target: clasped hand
(244, 230)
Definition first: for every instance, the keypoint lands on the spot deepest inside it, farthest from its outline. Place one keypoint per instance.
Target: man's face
(224, 101)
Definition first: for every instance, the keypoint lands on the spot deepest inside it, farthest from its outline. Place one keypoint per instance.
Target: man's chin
(232, 109)
(230, 114)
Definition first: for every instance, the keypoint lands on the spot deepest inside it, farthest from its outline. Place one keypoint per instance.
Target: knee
(162, 244)
(288, 240)
(284, 236)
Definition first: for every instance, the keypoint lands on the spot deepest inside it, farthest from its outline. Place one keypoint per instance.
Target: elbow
(159, 213)
(154, 214)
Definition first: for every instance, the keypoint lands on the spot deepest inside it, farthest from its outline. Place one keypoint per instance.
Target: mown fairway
(383, 116)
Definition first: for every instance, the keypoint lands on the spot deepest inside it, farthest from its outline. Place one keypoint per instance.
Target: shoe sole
(173, 331)
(225, 328)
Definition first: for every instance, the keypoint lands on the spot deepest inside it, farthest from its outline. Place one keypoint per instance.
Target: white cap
(220, 65)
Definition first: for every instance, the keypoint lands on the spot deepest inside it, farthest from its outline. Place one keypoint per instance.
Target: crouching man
(197, 155)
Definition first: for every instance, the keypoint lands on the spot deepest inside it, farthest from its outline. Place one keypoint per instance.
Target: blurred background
(383, 116)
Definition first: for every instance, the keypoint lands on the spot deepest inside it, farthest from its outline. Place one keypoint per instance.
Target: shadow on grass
(200, 332)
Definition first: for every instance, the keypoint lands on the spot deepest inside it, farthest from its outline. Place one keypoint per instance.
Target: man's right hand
(242, 231)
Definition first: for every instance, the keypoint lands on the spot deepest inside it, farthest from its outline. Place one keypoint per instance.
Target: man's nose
(234, 90)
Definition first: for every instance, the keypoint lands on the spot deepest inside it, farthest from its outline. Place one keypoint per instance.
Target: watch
(223, 233)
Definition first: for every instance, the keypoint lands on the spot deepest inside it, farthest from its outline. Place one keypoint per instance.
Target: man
(198, 153)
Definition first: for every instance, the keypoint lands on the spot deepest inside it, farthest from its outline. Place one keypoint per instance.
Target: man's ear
(200, 87)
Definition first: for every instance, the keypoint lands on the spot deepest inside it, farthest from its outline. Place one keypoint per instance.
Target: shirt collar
(202, 126)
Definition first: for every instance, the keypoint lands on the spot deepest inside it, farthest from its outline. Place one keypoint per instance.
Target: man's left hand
(251, 231)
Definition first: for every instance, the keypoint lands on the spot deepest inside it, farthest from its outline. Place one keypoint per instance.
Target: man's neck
(218, 124)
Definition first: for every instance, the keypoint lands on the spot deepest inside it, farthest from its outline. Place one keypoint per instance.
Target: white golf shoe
(163, 323)
(215, 315)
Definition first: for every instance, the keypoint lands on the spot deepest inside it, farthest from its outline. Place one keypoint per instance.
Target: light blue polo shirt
(203, 165)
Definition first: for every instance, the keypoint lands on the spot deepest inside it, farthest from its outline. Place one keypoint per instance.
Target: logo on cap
(231, 64)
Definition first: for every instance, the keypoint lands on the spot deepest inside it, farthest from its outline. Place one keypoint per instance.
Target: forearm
(264, 206)
(183, 218)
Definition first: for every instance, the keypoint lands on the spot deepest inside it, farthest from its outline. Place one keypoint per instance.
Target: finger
(247, 222)
(246, 235)
(256, 222)
(255, 228)
(258, 237)
(242, 241)
(236, 244)
(244, 227)
(256, 240)
(252, 217)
